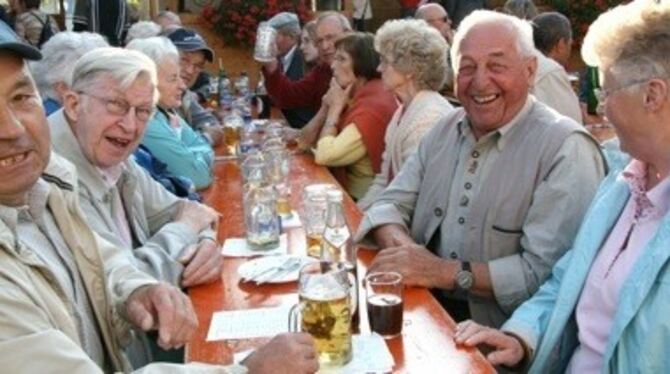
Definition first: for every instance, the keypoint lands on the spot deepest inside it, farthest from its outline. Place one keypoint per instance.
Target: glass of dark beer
(384, 292)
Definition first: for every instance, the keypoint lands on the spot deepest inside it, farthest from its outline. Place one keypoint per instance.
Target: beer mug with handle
(324, 311)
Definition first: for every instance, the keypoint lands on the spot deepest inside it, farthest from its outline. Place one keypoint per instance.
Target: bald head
(435, 15)
(330, 26)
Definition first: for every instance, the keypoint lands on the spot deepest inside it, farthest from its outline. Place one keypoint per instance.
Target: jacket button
(475, 154)
(468, 185)
(461, 220)
(438, 212)
(453, 255)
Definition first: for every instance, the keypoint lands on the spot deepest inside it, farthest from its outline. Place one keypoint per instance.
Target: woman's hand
(508, 350)
(337, 96)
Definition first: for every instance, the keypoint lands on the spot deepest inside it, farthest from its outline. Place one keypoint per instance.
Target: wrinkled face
(439, 20)
(393, 79)
(307, 47)
(24, 135)
(191, 64)
(327, 33)
(284, 43)
(170, 85)
(108, 121)
(493, 79)
(624, 108)
(343, 68)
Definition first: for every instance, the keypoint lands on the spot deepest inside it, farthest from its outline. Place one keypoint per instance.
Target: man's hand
(417, 265)
(391, 235)
(285, 353)
(197, 216)
(271, 67)
(508, 349)
(203, 263)
(165, 308)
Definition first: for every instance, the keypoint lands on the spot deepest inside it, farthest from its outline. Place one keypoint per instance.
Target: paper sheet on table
(237, 247)
(249, 323)
(371, 355)
(291, 221)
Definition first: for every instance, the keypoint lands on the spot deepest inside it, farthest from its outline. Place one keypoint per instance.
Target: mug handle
(294, 317)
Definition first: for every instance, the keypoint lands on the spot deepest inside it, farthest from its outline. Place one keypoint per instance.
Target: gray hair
(520, 28)
(173, 17)
(143, 30)
(632, 41)
(524, 9)
(412, 46)
(344, 22)
(123, 65)
(58, 54)
(548, 29)
(158, 48)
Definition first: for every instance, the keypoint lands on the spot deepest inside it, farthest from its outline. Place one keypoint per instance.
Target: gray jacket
(525, 215)
(149, 207)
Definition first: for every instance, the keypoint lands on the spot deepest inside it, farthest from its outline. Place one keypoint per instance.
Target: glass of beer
(384, 303)
(314, 220)
(232, 127)
(324, 311)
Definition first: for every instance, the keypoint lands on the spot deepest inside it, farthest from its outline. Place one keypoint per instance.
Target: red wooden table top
(426, 344)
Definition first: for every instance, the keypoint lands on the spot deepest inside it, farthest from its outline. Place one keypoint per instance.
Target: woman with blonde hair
(413, 67)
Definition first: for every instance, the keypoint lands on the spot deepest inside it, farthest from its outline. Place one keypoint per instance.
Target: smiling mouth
(485, 99)
(12, 160)
(118, 142)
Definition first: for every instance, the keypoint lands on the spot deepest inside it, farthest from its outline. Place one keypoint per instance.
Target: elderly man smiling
(496, 191)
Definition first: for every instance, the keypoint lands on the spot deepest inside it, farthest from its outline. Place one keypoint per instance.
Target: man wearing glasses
(102, 121)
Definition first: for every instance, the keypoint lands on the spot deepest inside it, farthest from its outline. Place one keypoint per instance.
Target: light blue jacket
(189, 156)
(639, 341)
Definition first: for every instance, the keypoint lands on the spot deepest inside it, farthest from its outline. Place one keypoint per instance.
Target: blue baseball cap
(10, 41)
(190, 41)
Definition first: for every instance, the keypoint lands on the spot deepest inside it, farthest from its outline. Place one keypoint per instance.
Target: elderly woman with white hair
(53, 72)
(413, 66)
(605, 308)
(169, 138)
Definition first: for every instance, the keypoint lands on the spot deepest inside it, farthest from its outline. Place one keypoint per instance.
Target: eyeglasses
(602, 94)
(444, 19)
(120, 107)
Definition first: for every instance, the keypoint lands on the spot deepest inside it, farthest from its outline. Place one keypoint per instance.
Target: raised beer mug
(324, 311)
(265, 49)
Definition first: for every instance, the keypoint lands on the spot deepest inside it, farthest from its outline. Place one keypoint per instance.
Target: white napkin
(248, 323)
(291, 221)
(237, 247)
(371, 355)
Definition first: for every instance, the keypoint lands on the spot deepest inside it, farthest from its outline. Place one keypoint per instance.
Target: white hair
(158, 48)
(143, 30)
(632, 41)
(522, 30)
(58, 55)
(123, 65)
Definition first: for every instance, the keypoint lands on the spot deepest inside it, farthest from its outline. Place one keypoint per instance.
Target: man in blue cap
(291, 60)
(194, 54)
(68, 297)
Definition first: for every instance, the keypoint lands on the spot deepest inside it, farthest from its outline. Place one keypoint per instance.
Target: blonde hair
(414, 47)
(632, 41)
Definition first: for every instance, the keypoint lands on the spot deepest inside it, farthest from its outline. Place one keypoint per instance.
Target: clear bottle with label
(260, 207)
(225, 97)
(338, 246)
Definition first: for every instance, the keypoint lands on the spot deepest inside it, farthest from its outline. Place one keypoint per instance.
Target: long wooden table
(426, 344)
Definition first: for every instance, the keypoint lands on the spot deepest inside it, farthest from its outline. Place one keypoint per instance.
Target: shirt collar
(38, 196)
(500, 134)
(657, 199)
(112, 174)
(286, 60)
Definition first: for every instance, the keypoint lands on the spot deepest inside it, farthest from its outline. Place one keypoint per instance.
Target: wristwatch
(464, 277)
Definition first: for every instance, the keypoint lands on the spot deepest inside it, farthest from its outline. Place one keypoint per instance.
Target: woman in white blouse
(413, 66)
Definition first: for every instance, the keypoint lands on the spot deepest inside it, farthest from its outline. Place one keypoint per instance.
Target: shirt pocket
(504, 241)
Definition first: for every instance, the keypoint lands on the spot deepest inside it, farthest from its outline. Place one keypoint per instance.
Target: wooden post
(154, 8)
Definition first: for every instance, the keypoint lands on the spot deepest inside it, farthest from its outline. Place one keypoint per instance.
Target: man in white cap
(291, 60)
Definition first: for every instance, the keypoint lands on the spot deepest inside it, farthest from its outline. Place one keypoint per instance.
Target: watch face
(464, 279)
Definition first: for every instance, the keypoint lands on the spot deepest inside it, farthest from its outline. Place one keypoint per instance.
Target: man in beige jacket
(68, 297)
